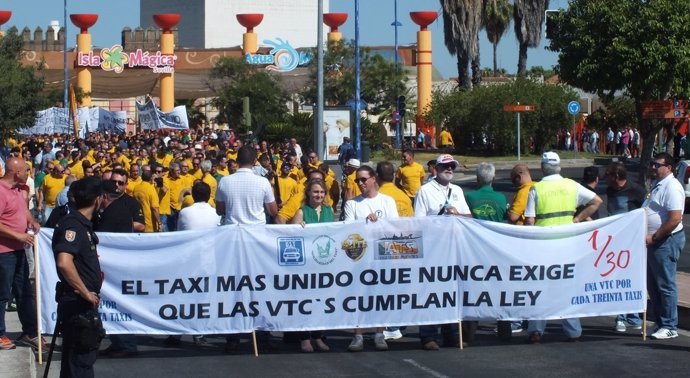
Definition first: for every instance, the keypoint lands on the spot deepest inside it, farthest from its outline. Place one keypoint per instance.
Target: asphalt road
(600, 353)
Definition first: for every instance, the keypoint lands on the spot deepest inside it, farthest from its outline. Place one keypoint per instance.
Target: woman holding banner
(313, 210)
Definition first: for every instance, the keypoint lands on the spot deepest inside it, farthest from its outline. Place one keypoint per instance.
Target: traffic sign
(664, 109)
(519, 108)
(573, 107)
(396, 117)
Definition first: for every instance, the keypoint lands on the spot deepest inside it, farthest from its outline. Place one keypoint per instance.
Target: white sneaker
(664, 333)
(620, 326)
(357, 344)
(380, 341)
(392, 335)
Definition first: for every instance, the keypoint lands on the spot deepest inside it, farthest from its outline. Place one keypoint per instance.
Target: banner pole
(460, 333)
(37, 285)
(644, 325)
(256, 347)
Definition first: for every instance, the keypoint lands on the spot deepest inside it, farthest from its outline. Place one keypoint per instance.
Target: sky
(375, 18)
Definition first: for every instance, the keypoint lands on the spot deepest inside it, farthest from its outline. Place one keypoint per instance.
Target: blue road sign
(573, 107)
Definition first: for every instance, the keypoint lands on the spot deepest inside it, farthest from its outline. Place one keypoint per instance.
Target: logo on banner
(354, 246)
(324, 250)
(399, 247)
(291, 251)
(281, 58)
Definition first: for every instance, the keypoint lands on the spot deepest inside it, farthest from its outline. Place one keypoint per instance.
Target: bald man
(15, 220)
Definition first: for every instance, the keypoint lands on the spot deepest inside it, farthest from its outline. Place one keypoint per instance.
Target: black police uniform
(74, 235)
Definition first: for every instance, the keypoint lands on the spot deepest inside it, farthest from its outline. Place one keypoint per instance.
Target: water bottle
(30, 231)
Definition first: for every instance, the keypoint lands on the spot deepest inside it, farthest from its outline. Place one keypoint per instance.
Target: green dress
(310, 216)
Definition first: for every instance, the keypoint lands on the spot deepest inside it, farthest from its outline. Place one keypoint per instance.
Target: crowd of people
(624, 142)
(153, 182)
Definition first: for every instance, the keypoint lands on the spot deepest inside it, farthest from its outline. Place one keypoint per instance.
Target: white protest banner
(52, 120)
(176, 119)
(343, 275)
(147, 114)
(113, 122)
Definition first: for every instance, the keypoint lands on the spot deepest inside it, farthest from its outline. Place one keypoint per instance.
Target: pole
(318, 127)
(518, 135)
(64, 59)
(37, 284)
(358, 121)
(397, 71)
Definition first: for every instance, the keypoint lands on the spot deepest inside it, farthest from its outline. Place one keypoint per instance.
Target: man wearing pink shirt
(15, 219)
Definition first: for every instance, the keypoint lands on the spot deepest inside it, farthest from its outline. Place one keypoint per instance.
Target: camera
(159, 182)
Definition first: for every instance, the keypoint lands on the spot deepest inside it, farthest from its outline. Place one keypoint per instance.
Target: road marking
(425, 369)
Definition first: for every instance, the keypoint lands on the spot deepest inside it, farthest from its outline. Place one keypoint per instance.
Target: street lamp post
(395, 24)
(65, 93)
(358, 97)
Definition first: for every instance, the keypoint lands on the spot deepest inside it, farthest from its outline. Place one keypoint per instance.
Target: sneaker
(200, 340)
(664, 333)
(516, 329)
(620, 326)
(31, 342)
(392, 335)
(11, 307)
(635, 326)
(380, 342)
(6, 343)
(357, 344)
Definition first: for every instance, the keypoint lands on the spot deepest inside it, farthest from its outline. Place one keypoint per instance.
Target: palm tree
(496, 19)
(529, 17)
(461, 24)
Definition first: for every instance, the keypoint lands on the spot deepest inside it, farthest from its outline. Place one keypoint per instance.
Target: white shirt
(432, 196)
(666, 195)
(244, 195)
(584, 196)
(360, 207)
(198, 216)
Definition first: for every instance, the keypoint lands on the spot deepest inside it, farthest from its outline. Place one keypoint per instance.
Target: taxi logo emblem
(70, 235)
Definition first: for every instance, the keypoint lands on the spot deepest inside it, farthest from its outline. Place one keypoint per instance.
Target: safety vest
(556, 202)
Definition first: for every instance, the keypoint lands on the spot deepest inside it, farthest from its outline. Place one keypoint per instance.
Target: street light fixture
(65, 94)
(396, 24)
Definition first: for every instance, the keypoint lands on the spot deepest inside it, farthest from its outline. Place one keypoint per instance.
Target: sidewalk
(21, 361)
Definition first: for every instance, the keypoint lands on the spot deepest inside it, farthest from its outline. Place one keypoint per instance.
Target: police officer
(76, 258)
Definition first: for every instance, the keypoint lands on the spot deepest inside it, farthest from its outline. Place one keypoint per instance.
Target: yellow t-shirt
(51, 188)
(77, 169)
(146, 194)
(287, 185)
(293, 204)
(175, 187)
(214, 187)
(223, 172)
(197, 174)
(232, 155)
(165, 160)
(520, 202)
(445, 138)
(411, 177)
(402, 201)
(131, 184)
(350, 183)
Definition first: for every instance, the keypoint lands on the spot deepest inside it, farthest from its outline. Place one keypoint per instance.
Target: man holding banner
(552, 202)
(664, 208)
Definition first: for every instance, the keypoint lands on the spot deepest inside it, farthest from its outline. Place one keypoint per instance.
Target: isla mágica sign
(114, 59)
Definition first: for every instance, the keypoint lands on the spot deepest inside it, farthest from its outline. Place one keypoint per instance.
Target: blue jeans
(164, 223)
(630, 319)
(14, 279)
(662, 260)
(571, 327)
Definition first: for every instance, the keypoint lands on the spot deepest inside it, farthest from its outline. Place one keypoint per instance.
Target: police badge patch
(70, 235)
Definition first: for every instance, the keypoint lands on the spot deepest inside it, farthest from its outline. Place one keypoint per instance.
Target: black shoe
(573, 339)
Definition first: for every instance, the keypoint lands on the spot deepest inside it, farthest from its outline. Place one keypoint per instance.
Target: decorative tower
(84, 21)
(423, 19)
(167, 21)
(249, 39)
(334, 20)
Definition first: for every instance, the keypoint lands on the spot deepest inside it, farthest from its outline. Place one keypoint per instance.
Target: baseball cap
(354, 163)
(550, 157)
(198, 147)
(446, 159)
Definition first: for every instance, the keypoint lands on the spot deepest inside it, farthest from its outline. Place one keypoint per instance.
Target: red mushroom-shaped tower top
(250, 20)
(83, 21)
(334, 20)
(5, 16)
(166, 21)
(423, 18)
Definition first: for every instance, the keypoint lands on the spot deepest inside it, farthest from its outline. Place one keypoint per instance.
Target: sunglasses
(656, 165)
(362, 180)
(159, 171)
(447, 166)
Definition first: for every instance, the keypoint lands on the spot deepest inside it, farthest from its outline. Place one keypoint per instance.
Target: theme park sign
(114, 59)
(282, 58)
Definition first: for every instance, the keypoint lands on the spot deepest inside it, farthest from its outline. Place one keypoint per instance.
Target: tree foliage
(380, 80)
(233, 80)
(20, 86)
(638, 48)
(479, 125)
(462, 20)
(496, 19)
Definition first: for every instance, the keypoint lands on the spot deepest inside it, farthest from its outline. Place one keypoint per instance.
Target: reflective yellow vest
(556, 202)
